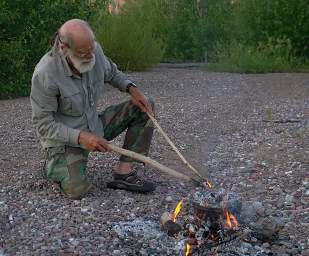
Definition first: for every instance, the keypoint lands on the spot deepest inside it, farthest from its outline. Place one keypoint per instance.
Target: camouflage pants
(67, 165)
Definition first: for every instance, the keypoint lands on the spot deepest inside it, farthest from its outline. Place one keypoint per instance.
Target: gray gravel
(216, 119)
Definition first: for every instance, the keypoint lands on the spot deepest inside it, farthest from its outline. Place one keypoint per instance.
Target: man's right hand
(93, 142)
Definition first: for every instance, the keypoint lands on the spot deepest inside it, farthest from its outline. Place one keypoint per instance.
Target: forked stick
(148, 160)
(174, 147)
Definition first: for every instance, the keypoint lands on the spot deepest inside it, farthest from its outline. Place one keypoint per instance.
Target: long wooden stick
(174, 147)
(148, 160)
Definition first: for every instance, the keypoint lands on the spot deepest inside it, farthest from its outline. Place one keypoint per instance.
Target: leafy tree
(26, 27)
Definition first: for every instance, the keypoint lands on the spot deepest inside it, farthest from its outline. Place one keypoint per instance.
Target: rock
(117, 252)
(259, 208)
(258, 248)
(250, 210)
(289, 199)
(277, 190)
(128, 200)
(246, 245)
(305, 252)
(169, 199)
(267, 229)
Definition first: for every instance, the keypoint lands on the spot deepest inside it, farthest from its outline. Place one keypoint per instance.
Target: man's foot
(131, 182)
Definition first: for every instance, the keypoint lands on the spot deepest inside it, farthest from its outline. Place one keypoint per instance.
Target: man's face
(83, 64)
(82, 56)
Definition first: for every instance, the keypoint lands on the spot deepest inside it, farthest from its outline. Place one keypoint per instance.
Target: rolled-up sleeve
(112, 75)
(44, 105)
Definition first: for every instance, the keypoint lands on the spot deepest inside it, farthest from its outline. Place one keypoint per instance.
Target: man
(64, 94)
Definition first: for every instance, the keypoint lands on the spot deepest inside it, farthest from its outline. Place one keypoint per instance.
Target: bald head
(76, 42)
(77, 34)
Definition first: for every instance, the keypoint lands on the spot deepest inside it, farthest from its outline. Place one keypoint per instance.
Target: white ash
(146, 230)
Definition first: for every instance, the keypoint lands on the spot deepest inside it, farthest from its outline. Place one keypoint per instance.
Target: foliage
(264, 36)
(26, 27)
(272, 56)
(128, 37)
(234, 35)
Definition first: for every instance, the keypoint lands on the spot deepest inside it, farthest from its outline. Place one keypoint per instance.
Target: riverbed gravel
(247, 133)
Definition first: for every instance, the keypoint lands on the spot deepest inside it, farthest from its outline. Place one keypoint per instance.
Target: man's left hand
(140, 100)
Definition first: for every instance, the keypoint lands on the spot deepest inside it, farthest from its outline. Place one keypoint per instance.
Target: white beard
(82, 66)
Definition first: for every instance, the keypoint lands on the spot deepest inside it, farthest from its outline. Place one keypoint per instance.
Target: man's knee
(68, 168)
(75, 188)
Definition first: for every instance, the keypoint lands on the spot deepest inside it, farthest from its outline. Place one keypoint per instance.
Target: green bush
(240, 35)
(26, 27)
(272, 56)
(128, 37)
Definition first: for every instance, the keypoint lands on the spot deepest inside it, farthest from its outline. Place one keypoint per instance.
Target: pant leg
(67, 167)
(139, 127)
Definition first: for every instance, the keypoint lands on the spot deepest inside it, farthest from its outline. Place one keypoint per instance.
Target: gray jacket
(63, 104)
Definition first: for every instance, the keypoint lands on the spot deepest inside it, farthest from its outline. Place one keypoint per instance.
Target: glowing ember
(213, 236)
(234, 220)
(209, 184)
(177, 209)
(187, 249)
(228, 220)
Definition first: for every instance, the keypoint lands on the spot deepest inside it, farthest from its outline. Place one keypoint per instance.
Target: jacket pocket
(96, 91)
(71, 103)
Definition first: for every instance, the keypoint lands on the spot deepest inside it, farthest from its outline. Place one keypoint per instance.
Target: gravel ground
(216, 119)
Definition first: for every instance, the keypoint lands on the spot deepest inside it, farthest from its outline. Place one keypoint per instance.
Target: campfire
(203, 220)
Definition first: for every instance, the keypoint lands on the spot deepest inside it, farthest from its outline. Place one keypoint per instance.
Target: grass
(273, 56)
(128, 38)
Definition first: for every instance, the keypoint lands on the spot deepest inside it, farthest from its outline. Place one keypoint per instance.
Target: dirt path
(216, 119)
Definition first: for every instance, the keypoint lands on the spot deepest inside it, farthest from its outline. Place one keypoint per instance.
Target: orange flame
(209, 184)
(234, 220)
(228, 220)
(187, 249)
(177, 209)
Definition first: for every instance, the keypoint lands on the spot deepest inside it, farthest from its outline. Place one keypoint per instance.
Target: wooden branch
(282, 121)
(296, 210)
(174, 147)
(148, 160)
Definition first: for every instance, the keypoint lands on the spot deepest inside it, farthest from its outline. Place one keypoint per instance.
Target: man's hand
(93, 142)
(140, 100)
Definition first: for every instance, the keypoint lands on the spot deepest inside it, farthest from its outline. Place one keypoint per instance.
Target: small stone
(289, 199)
(256, 247)
(128, 200)
(73, 241)
(266, 245)
(305, 252)
(246, 245)
(116, 252)
(83, 210)
(169, 199)
(277, 190)
(267, 229)
(259, 208)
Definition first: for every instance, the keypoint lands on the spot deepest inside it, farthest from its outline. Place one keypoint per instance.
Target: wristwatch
(130, 85)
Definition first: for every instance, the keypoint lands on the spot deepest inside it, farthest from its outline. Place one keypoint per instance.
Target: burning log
(169, 225)
(208, 218)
